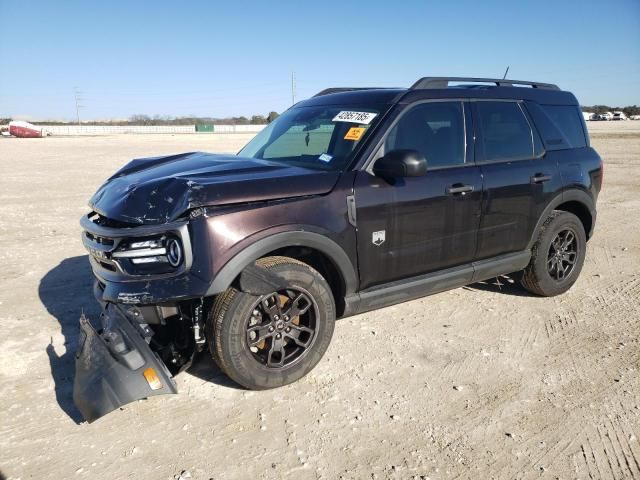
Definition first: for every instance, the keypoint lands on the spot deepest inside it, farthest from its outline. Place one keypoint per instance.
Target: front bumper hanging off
(116, 366)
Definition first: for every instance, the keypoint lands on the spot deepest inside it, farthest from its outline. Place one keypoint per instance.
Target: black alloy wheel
(563, 253)
(282, 327)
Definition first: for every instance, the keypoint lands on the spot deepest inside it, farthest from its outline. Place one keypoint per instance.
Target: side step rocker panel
(436, 282)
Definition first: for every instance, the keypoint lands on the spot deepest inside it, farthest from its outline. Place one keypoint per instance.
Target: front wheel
(557, 256)
(272, 340)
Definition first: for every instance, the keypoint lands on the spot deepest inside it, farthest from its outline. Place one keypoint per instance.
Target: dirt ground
(480, 382)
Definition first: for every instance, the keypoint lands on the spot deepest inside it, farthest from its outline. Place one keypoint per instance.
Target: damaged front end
(116, 366)
(151, 324)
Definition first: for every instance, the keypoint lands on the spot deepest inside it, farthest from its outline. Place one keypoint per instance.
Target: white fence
(237, 128)
(114, 129)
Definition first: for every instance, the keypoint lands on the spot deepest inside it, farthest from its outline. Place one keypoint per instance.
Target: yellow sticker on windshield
(355, 133)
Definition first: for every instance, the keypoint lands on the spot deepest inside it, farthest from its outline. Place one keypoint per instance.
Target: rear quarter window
(568, 119)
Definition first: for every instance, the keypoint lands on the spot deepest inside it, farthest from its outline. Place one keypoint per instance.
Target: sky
(232, 58)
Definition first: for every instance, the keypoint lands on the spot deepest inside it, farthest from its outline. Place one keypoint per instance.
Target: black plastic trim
(435, 282)
(106, 378)
(572, 195)
(234, 267)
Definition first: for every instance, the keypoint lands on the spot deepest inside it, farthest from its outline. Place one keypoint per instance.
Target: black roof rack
(327, 91)
(443, 82)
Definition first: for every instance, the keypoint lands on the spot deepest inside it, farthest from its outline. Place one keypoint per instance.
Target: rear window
(568, 120)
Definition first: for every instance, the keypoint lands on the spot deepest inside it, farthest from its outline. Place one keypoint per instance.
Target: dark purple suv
(352, 200)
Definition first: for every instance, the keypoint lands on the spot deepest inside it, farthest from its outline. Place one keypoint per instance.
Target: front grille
(100, 240)
(107, 266)
(109, 222)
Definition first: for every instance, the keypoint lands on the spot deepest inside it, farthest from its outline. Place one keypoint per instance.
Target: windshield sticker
(355, 133)
(325, 157)
(355, 117)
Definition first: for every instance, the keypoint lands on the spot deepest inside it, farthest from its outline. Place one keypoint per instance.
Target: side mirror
(401, 163)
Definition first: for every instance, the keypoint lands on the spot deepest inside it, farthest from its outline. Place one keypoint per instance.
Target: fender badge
(377, 238)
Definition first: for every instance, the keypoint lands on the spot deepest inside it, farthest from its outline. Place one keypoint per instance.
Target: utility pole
(293, 88)
(78, 97)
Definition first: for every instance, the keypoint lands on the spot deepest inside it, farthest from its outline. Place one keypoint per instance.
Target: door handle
(540, 177)
(459, 189)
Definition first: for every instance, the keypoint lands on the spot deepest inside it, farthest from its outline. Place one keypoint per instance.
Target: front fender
(298, 238)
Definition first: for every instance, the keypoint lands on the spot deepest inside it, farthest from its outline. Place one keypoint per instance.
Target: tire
(542, 276)
(237, 315)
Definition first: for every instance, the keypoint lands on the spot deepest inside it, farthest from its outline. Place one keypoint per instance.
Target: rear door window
(505, 133)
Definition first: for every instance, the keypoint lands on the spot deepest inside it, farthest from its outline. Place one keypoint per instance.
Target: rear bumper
(113, 366)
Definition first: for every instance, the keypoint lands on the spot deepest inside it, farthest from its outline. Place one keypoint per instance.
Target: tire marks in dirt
(608, 450)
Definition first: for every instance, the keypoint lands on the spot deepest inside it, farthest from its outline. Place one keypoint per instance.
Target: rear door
(411, 226)
(519, 178)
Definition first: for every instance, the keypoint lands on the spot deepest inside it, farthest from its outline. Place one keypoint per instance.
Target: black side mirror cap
(401, 163)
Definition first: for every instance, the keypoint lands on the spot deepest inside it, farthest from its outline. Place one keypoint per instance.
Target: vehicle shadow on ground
(204, 368)
(502, 284)
(66, 291)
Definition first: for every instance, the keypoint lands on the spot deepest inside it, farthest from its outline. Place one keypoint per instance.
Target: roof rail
(327, 91)
(443, 82)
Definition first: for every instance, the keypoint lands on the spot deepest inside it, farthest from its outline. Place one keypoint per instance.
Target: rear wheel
(557, 256)
(271, 340)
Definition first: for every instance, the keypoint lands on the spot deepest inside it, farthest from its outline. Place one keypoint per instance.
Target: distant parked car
(634, 117)
(619, 116)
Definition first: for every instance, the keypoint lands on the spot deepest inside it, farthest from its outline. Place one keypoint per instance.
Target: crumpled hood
(160, 189)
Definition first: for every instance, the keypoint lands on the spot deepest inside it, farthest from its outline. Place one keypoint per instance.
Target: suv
(350, 201)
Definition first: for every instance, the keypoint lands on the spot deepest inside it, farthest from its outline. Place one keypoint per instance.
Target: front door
(416, 225)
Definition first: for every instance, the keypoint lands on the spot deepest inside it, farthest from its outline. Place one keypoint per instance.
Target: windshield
(320, 137)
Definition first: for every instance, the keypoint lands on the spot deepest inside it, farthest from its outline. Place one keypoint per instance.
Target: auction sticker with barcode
(355, 117)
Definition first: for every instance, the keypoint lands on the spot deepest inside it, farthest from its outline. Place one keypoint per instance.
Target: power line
(78, 97)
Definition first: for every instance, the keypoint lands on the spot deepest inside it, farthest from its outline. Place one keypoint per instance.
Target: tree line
(600, 109)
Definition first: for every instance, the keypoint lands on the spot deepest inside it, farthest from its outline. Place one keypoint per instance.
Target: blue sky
(235, 57)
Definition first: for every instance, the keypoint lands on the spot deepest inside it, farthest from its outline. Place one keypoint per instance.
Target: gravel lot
(480, 382)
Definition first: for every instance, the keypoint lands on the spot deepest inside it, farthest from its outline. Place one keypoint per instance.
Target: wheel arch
(573, 201)
(318, 251)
